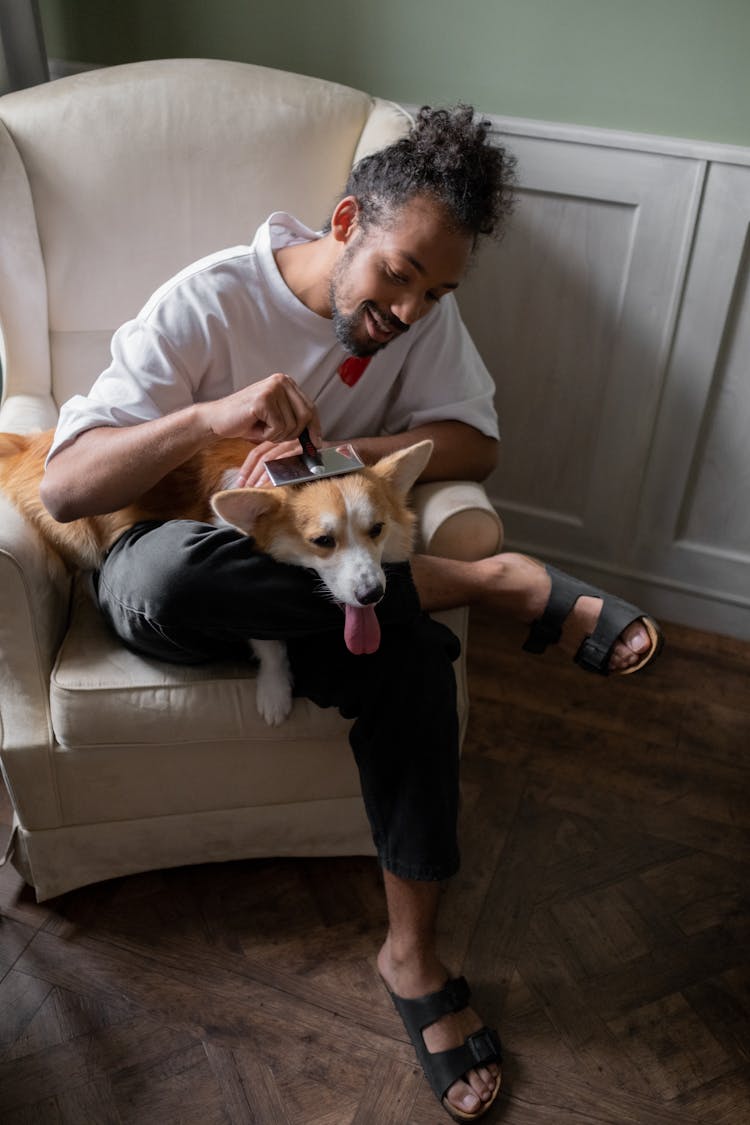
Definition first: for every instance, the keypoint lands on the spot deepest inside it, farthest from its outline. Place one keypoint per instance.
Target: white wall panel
(695, 526)
(615, 319)
(573, 312)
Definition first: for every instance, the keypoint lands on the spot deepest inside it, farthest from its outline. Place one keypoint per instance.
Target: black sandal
(443, 1068)
(595, 651)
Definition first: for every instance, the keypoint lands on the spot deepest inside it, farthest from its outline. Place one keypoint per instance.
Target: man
(353, 332)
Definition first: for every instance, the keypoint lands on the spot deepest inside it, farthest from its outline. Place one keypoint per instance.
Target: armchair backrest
(113, 180)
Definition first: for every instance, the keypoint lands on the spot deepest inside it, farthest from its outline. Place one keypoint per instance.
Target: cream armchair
(110, 182)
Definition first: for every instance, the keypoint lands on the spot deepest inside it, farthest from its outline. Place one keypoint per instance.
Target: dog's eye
(375, 530)
(323, 541)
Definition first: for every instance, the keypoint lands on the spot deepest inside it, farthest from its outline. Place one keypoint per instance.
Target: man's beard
(351, 333)
(350, 329)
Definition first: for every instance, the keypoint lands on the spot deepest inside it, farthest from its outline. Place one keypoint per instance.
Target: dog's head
(342, 527)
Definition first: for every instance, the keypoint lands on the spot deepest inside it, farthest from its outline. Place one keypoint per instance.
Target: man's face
(392, 275)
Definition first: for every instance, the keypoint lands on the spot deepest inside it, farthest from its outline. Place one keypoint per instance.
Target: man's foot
(476, 1090)
(512, 577)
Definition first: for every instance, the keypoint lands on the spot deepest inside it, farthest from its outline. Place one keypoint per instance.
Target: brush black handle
(307, 446)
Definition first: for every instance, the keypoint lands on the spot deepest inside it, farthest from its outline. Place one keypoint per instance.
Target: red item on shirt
(353, 368)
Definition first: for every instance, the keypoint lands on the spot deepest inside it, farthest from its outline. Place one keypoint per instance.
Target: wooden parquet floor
(601, 917)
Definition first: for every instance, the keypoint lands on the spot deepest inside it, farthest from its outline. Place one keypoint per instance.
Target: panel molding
(709, 151)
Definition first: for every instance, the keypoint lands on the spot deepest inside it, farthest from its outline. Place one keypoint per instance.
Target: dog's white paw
(273, 685)
(273, 699)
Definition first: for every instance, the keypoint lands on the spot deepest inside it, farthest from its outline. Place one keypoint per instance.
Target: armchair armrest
(20, 414)
(34, 598)
(456, 520)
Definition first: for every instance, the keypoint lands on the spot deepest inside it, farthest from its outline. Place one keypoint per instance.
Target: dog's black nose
(373, 594)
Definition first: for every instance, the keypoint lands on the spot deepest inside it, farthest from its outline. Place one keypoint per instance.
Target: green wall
(676, 67)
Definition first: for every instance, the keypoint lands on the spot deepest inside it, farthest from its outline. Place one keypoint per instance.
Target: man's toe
(462, 1096)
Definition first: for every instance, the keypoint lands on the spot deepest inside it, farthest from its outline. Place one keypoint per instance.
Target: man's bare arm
(461, 452)
(108, 467)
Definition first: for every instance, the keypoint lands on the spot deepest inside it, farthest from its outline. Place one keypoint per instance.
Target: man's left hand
(253, 473)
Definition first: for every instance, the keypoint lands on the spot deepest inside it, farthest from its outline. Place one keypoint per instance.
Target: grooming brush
(313, 463)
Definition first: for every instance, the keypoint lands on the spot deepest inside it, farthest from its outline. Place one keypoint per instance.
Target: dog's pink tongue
(361, 629)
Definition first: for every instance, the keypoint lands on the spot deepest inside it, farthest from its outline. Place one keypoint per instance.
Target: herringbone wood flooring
(601, 916)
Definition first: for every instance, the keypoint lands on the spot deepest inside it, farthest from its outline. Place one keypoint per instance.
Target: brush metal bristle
(298, 469)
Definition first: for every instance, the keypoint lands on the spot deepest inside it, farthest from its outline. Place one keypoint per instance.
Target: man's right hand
(275, 409)
(107, 467)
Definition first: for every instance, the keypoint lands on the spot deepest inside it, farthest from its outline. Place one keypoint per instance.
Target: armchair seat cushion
(130, 730)
(98, 686)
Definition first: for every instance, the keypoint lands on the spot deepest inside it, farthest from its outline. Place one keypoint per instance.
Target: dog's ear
(402, 468)
(243, 507)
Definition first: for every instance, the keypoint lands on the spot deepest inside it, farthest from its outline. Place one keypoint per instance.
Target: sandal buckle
(484, 1045)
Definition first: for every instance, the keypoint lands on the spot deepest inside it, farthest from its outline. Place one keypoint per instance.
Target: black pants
(188, 592)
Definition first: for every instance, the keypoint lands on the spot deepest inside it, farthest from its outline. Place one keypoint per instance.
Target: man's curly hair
(446, 155)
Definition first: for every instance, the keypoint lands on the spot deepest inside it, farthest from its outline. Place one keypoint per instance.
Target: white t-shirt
(230, 320)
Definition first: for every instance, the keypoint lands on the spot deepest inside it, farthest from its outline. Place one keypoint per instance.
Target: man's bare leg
(518, 586)
(410, 966)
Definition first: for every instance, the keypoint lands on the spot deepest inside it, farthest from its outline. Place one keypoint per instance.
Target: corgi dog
(344, 528)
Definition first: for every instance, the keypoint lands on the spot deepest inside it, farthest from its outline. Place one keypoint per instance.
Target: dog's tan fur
(184, 493)
(278, 518)
(286, 521)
